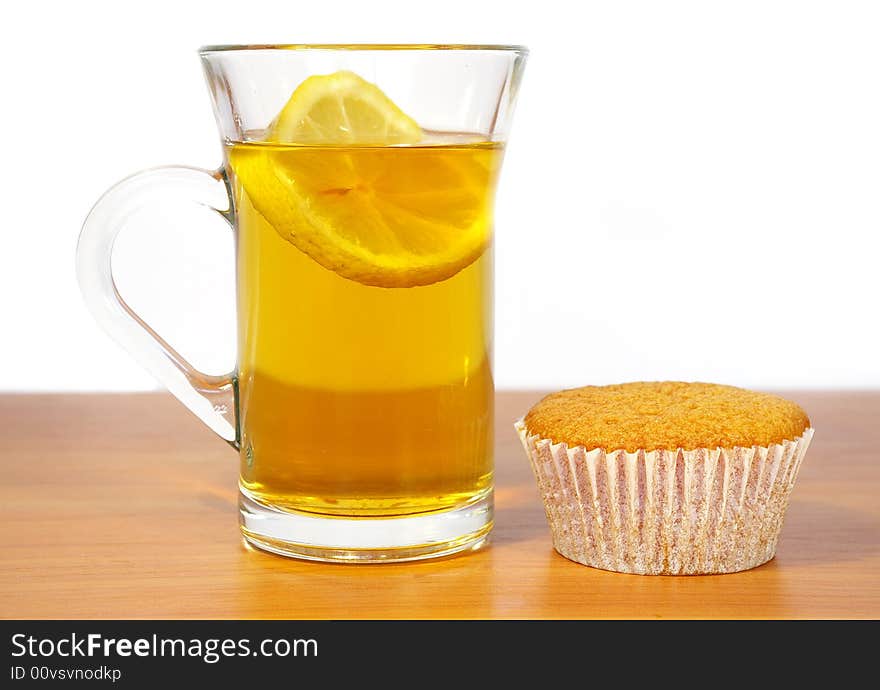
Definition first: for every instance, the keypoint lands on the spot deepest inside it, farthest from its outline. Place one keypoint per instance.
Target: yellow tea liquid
(358, 400)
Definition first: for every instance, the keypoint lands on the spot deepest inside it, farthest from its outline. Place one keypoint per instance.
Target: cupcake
(665, 478)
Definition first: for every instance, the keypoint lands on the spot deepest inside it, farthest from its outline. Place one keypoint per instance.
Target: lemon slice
(333, 180)
(342, 108)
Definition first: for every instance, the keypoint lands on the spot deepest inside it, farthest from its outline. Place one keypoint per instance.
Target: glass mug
(359, 183)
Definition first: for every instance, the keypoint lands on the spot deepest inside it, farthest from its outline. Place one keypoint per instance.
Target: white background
(692, 189)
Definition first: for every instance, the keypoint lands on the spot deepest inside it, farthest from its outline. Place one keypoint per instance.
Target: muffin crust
(665, 416)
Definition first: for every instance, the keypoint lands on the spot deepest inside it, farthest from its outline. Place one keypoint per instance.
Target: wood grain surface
(124, 506)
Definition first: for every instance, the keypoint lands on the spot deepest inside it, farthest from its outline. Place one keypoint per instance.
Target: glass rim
(387, 47)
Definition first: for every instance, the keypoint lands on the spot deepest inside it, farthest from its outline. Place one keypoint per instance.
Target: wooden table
(124, 506)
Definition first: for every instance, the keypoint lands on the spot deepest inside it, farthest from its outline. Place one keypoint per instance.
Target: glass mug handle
(211, 398)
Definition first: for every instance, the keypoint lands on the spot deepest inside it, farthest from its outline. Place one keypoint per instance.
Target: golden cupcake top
(665, 415)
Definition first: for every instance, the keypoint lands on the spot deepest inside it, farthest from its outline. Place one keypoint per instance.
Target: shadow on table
(519, 516)
(820, 533)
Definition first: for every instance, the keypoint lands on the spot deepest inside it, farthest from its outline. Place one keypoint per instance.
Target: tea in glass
(359, 182)
(363, 394)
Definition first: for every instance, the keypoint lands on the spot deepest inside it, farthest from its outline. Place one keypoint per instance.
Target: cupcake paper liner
(682, 512)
